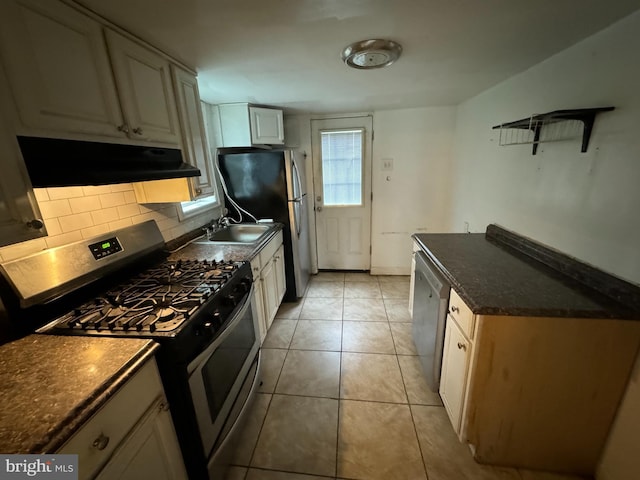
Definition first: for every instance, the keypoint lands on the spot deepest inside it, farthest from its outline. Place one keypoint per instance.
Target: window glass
(341, 152)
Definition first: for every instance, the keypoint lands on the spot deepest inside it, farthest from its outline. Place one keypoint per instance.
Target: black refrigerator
(270, 184)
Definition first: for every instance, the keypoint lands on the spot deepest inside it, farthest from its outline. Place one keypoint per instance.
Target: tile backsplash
(75, 213)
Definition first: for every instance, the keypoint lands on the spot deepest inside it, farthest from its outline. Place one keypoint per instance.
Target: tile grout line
(339, 389)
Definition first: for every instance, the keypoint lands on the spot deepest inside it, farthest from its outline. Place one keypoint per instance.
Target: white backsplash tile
(85, 204)
(112, 199)
(105, 215)
(59, 193)
(78, 221)
(55, 208)
(76, 213)
(128, 210)
(63, 239)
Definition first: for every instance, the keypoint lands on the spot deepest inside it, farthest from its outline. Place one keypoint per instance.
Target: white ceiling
(287, 52)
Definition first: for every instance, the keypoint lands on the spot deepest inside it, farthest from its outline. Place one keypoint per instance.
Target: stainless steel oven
(218, 373)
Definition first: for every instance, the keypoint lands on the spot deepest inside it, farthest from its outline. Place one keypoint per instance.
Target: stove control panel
(105, 248)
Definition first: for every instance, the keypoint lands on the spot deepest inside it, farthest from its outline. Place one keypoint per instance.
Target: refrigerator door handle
(297, 183)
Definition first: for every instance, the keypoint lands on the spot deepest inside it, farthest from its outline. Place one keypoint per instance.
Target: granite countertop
(50, 385)
(235, 252)
(495, 279)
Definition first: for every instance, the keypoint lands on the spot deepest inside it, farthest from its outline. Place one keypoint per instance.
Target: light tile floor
(343, 396)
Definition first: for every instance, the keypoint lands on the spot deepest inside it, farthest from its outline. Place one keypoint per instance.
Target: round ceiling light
(368, 54)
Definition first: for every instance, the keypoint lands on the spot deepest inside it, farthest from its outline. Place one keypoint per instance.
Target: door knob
(36, 224)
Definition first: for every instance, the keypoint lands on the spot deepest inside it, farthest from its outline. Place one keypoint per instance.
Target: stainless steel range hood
(55, 162)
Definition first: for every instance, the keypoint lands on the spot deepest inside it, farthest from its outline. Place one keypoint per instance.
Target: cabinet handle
(198, 191)
(35, 224)
(462, 347)
(123, 128)
(137, 131)
(454, 309)
(101, 442)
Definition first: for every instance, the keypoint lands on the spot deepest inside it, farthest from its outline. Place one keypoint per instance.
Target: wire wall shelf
(553, 126)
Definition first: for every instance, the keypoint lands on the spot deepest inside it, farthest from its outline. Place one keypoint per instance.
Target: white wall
(585, 204)
(415, 196)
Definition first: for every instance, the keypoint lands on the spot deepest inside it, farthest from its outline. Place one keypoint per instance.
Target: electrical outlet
(387, 164)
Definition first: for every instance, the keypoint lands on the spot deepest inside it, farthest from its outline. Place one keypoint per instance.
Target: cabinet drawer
(461, 313)
(101, 434)
(270, 249)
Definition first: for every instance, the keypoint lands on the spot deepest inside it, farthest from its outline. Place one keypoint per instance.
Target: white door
(342, 196)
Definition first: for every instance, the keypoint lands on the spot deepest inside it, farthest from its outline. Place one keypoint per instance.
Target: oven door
(217, 374)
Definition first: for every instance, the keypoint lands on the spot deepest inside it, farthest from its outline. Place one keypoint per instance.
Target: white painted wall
(415, 196)
(585, 204)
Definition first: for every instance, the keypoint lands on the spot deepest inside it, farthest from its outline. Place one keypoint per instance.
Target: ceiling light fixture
(368, 54)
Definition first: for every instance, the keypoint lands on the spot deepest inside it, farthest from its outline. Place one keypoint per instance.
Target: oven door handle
(193, 365)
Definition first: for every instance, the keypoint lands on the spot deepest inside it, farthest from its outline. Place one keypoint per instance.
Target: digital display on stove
(105, 248)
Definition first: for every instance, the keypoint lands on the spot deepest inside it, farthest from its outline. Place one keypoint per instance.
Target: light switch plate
(387, 164)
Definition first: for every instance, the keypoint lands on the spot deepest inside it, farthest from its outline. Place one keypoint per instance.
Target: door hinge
(373, 135)
(372, 196)
(370, 249)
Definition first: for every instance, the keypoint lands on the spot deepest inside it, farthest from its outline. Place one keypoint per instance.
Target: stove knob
(245, 285)
(231, 300)
(213, 323)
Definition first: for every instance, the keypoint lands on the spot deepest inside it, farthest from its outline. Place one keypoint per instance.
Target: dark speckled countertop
(496, 279)
(50, 385)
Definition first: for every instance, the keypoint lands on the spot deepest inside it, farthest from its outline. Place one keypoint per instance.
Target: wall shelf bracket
(551, 127)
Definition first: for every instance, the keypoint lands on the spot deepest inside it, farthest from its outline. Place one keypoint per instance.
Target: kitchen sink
(239, 233)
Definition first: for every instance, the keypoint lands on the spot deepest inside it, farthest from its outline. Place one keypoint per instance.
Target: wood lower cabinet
(535, 392)
(150, 451)
(131, 436)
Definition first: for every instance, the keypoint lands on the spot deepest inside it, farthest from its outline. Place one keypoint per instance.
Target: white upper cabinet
(143, 79)
(243, 125)
(19, 213)
(267, 126)
(194, 141)
(72, 77)
(58, 69)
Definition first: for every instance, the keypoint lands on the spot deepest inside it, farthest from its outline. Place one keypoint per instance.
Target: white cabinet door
(270, 292)
(150, 451)
(194, 141)
(455, 365)
(18, 207)
(258, 297)
(278, 266)
(267, 126)
(144, 83)
(58, 69)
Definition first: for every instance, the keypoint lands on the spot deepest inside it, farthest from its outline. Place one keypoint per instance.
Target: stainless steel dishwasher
(430, 303)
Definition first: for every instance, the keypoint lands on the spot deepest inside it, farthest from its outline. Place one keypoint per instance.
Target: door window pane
(342, 167)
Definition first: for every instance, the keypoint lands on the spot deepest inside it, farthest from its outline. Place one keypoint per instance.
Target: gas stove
(161, 299)
(156, 302)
